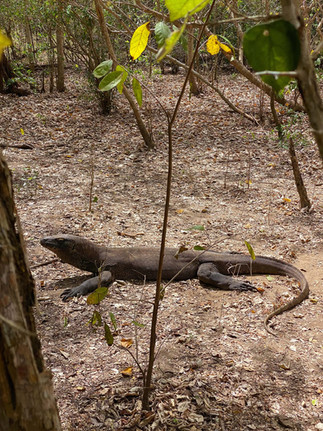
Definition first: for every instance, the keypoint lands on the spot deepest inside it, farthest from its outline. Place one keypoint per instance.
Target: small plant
(22, 76)
(112, 329)
(42, 118)
(290, 131)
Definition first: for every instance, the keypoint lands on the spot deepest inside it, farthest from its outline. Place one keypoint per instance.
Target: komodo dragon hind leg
(88, 286)
(208, 273)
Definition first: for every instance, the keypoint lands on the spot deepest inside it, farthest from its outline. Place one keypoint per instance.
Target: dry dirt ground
(217, 368)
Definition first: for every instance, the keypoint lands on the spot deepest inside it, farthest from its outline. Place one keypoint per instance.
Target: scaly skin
(215, 269)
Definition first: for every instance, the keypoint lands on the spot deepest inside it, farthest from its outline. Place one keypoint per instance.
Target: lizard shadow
(68, 282)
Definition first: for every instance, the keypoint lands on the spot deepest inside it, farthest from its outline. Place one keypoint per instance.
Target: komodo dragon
(138, 263)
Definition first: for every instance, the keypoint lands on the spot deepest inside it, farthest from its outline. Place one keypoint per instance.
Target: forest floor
(217, 368)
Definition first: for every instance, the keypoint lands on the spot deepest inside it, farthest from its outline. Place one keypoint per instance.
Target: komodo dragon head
(76, 251)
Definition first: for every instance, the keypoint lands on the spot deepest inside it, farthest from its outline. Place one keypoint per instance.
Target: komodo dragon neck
(139, 263)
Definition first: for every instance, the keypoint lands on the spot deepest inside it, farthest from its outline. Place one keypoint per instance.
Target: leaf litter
(216, 368)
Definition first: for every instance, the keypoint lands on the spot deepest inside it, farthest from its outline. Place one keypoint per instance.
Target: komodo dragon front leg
(208, 273)
(88, 286)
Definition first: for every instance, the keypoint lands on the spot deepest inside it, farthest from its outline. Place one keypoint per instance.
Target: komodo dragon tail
(283, 268)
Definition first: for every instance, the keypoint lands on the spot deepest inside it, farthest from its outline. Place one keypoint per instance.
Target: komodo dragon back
(88, 256)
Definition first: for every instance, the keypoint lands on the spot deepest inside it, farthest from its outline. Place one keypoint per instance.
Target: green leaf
(137, 91)
(250, 249)
(113, 320)
(124, 77)
(197, 227)
(108, 335)
(170, 42)
(273, 46)
(141, 325)
(111, 80)
(162, 32)
(270, 278)
(180, 8)
(198, 248)
(103, 68)
(97, 296)
(96, 319)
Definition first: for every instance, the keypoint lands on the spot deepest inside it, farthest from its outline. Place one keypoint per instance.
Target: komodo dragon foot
(88, 286)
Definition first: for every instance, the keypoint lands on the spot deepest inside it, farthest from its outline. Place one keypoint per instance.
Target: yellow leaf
(80, 388)
(180, 211)
(126, 342)
(139, 40)
(287, 200)
(225, 47)
(285, 366)
(213, 45)
(127, 372)
(181, 249)
(4, 42)
(22, 132)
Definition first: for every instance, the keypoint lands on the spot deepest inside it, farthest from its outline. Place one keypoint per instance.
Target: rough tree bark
(26, 394)
(60, 85)
(301, 189)
(305, 73)
(194, 89)
(29, 39)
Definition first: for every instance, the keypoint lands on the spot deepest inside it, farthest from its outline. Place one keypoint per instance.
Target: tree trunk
(239, 31)
(30, 49)
(143, 130)
(301, 189)
(306, 74)
(194, 89)
(51, 59)
(26, 397)
(7, 83)
(60, 49)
